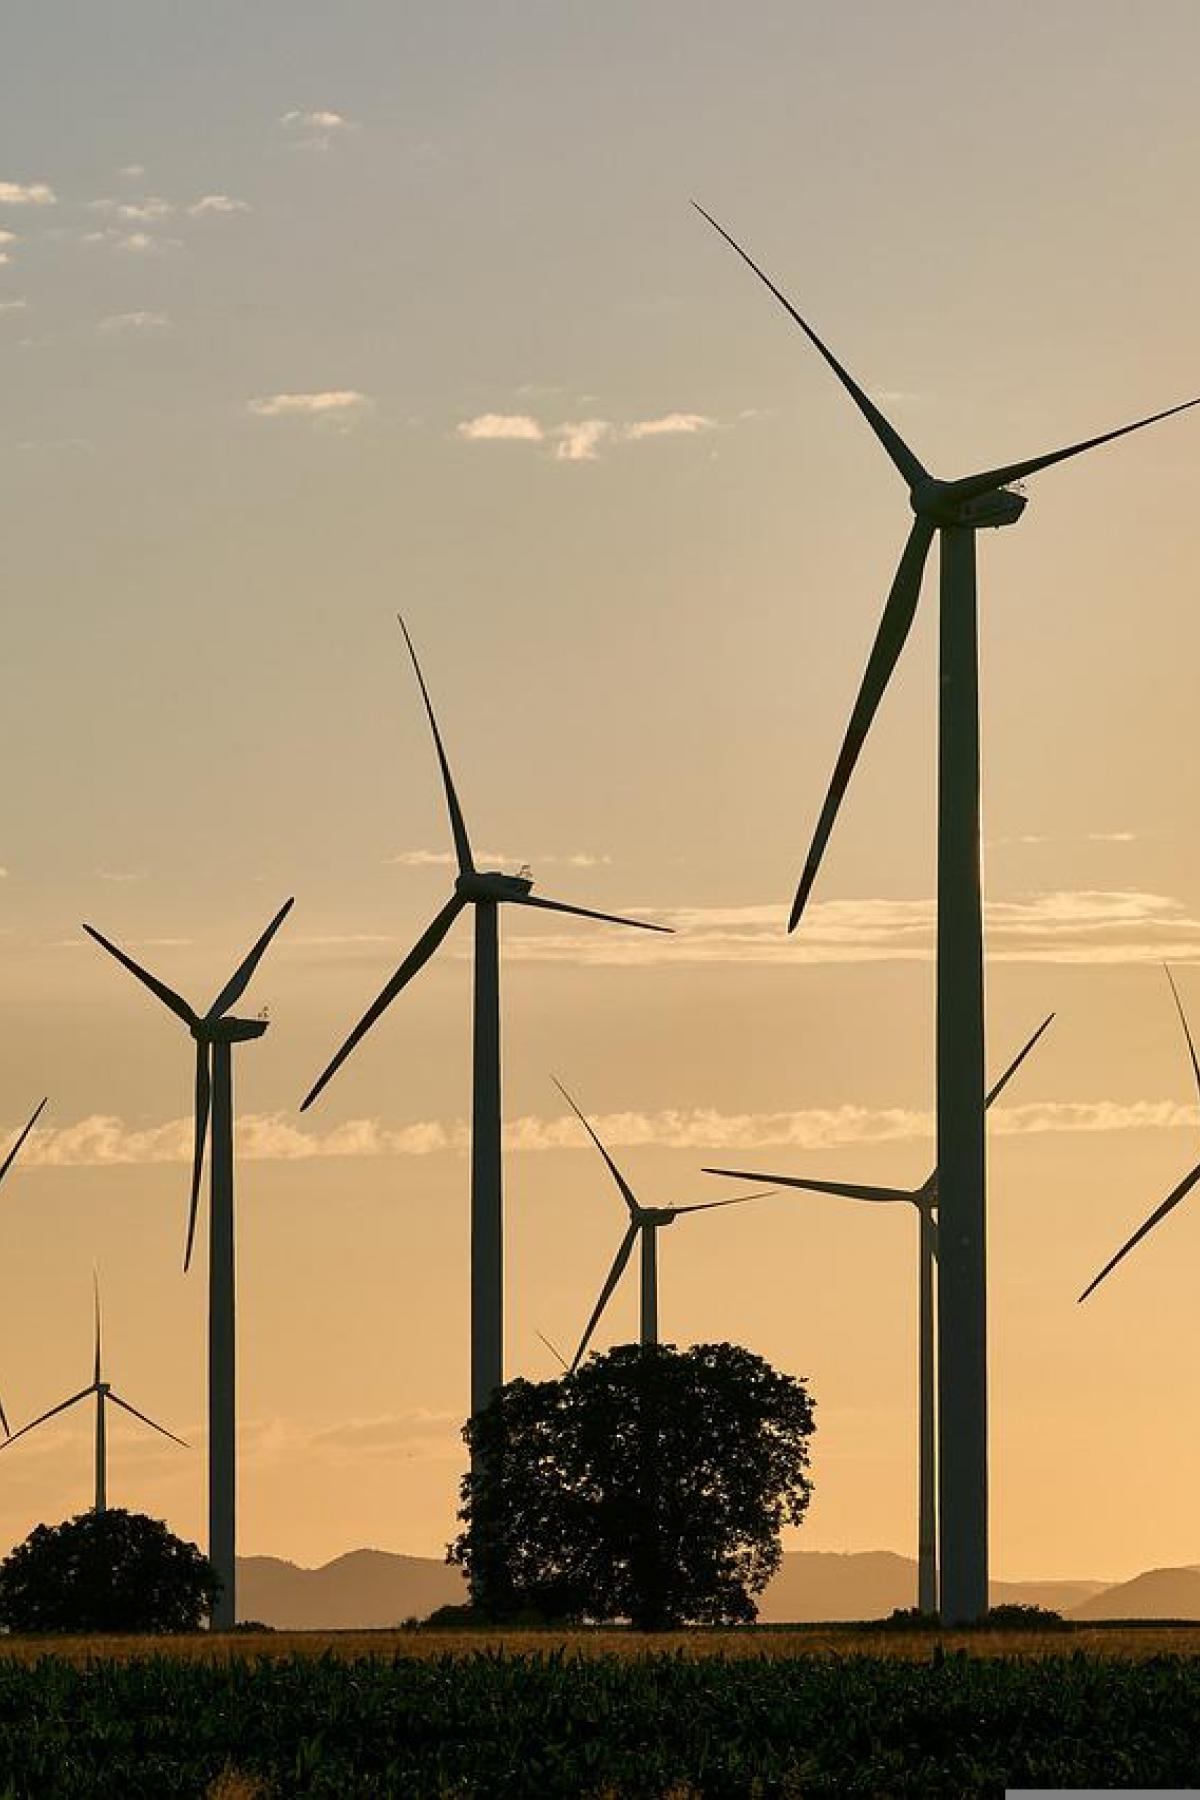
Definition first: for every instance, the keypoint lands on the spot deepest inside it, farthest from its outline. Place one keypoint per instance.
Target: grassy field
(1120, 1642)
(753, 1713)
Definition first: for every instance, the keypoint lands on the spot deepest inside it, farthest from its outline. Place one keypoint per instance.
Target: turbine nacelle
(944, 503)
(492, 884)
(656, 1215)
(228, 1030)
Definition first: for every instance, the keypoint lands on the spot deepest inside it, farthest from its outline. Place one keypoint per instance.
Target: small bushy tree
(108, 1571)
(650, 1485)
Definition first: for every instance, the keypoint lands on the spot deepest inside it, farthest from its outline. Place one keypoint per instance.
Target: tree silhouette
(109, 1571)
(651, 1485)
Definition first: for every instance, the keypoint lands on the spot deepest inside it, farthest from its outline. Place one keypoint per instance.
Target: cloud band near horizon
(106, 1141)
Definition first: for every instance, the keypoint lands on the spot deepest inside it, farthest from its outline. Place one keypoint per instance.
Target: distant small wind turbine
(645, 1222)
(954, 511)
(5, 1166)
(925, 1199)
(216, 1032)
(486, 891)
(1185, 1186)
(104, 1394)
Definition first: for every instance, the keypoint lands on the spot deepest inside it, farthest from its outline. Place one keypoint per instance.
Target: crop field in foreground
(758, 1713)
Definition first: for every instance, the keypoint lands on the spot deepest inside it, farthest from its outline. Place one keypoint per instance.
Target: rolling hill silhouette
(373, 1589)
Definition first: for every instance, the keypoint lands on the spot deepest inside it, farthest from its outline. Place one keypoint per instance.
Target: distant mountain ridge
(374, 1589)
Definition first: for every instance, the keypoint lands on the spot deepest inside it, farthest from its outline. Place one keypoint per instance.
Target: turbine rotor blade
(416, 959)
(614, 1275)
(462, 843)
(1182, 1020)
(554, 1350)
(1172, 1200)
(117, 1401)
(848, 1190)
(734, 1200)
(901, 456)
(203, 1102)
(1014, 1065)
(83, 1394)
(627, 1193)
(6, 1165)
(4, 1421)
(239, 981)
(585, 912)
(96, 1292)
(168, 996)
(890, 639)
(983, 483)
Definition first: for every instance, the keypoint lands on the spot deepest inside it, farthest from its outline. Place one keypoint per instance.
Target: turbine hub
(941, 503)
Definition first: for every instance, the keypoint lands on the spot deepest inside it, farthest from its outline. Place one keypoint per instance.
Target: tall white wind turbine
(486, 891)
(104, 1396)
(5, 1166)
(1177, 1194)
(925, 1199)
(216, 1032)
(954, 510)
(645, 1223)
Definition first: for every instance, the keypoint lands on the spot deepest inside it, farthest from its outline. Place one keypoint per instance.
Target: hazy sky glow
(308, 313)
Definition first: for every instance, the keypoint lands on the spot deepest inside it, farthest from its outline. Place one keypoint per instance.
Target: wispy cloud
(1075, 927)
(121, 875)
(105, 1141)
(316, 129)
(33, 193)
(332, 403)
(9, 306)
(579, 440)
(671, 425)
(6, 238)
(210, 205)
(1112, 837)
(140, 243)
(134, 321)
(419, 1434)
(145, 210)
(445, 859)
(501, 428)
(321, 120)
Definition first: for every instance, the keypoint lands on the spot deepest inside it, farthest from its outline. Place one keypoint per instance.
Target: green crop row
(496, 1725)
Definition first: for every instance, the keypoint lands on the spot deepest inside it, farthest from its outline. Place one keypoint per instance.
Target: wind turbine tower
(925, 1200)
(645, 1223)
(215, 1033)
(955, 511)
(105, 1396)
(487, 891)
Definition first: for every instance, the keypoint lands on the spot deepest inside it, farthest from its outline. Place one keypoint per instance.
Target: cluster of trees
(650, 1485)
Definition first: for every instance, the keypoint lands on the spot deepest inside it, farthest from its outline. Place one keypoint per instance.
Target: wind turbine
(645, 1223)
(5, 1166)
(925, 1199)
(956, 510)
(486, 891)
(104, 1394)
(216, 1032)
(1185, 1186)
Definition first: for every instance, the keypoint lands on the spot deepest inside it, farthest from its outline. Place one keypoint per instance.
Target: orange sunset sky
(308, 313)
